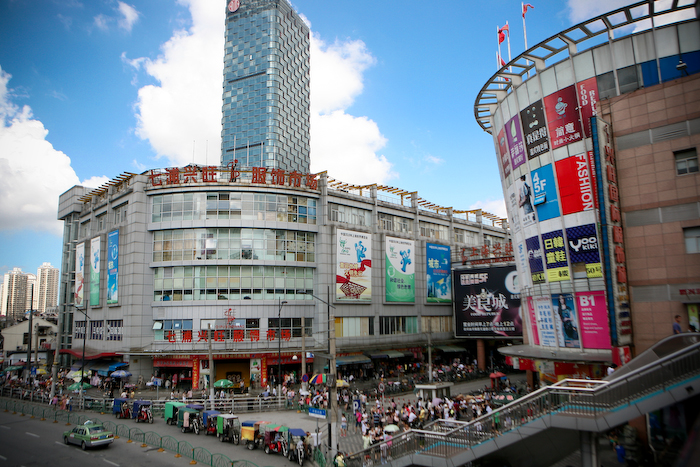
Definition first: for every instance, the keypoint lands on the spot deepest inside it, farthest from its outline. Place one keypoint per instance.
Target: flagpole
(508, 36)
(522, 6)
(498, 32)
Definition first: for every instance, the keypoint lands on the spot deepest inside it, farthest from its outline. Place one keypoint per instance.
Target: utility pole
(211, 371)
(430, 351)
(303, 352)
(333, 393)
(28, 367)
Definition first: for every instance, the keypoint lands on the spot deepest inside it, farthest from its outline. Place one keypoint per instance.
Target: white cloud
(129, 16)
(496, 207)
(102, 22)
(583, 10)
(32, 173)
(95, 181)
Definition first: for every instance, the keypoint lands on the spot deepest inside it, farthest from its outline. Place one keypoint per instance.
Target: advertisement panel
(439, 273)
(515, 142)
(526, 209)
(503, 152)
(562, 117)
(535, 130)
(400, 272)
(534, 259)
(113, 267)
(95, 271)
(513, 207)
(532, 316)
(545, 322)
(567, 324)
(79, 275)
(487, 303)
(520, 255)
(575, 184)
(583, 251)
(555, 256)
(545, 193)
(588, 98)
(595, 330)
(353, 280)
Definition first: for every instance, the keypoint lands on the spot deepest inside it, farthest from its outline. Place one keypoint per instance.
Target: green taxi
(89, 435)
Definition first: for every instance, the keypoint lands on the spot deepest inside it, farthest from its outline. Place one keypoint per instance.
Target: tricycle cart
(121, 409)
(188, 420)
(209, 421)
(297, 447)
(252, 433)
(142, 412)
(171, 410)
(228, 428)
(275, 440)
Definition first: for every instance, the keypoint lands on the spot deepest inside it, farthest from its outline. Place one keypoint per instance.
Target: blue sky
(91, 89)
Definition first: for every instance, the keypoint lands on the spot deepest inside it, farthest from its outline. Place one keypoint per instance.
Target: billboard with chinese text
(593, 316)
(400, 269)
(353, 265)
(534, 259)
(545, 321)
(439, 273)
(516, 145)
(555, 256)
(113, 268)
(562, 117)
(95, 271)
(534, 129)
(503, 152)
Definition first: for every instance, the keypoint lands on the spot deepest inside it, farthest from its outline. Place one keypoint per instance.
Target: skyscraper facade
(265, 115)
(14, 294)
(46, 291)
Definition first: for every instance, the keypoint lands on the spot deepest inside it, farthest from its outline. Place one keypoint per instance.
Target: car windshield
(97, 429)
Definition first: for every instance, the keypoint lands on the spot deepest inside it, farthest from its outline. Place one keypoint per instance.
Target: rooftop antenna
(193, 142)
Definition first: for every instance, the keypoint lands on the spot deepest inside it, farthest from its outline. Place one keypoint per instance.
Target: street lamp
(279, 347)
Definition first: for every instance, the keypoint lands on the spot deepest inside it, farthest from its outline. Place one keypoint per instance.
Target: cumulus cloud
(32, 173)
(581, 11)
(496, 207)
(128, 17)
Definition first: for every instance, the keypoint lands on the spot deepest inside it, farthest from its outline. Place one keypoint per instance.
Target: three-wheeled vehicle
(189, 420)
(209, 421)
(252, 433)
(121, 409)
(228, 428)
(276, 439)
(171, 410)
(297, 447)
(142, 411)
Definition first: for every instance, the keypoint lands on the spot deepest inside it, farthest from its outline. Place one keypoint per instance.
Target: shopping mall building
(596, 132)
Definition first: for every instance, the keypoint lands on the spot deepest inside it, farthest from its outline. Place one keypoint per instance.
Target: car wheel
(182, 429)
(250, 445)
(65, 440)
(83, 446)
(236, 439)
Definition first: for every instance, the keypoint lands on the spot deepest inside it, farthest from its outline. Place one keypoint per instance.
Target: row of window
(118, 216)
(108, 330)
(230, 329)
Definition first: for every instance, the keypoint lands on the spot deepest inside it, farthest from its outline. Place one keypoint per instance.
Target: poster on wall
(520, 254)
(353, 280)
(534, 259)
(588, 98)
(575, 184)
(535, 129)
(515, 142)
(545, 322)
(555, 256)
(400, 270)
(78, 297)
(532, 316)
(487, 302)
(95, 271)
(439, 273)
(526, 209)
(545, 199)
(503, 152)
(593, 316)
(563, 122)
(513, 208)
(113, 268)
(584, 254)
(567, 323)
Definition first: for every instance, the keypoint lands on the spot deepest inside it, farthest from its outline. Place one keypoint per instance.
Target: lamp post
(82, 362)
(279, 348)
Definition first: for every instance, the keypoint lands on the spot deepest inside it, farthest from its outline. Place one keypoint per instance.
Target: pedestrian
(343, 426)
(677, 325)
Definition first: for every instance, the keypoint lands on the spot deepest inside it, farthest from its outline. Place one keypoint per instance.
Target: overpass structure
(552, 422)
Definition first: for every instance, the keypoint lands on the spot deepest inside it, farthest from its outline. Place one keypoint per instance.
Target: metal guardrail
(579, 398)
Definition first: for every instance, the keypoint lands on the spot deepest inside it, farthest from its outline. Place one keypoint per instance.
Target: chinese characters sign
(534, 258)
(113, 268)
(353, 265)
(555, 256)
(545, 322)
(595, 331)
(503, 152)
(439, 273)
(535, 129)
(562, 117)
(400, 269)
(516, 144)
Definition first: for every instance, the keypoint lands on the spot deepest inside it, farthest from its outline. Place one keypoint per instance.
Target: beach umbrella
(341, 383)
(497, 374)
(318, 379)
(14, 368)
(41, 371)
(76, 375)
(75, 386)
(120, 374)
(223, 384)
(392, 428)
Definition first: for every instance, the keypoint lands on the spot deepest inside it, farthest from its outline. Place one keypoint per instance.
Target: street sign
(355, 405)
(317, 413)
(381, 388)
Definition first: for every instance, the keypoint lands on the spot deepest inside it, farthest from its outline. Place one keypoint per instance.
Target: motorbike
(188, 420)
(297, 451)
(275, 442)
(142, 412)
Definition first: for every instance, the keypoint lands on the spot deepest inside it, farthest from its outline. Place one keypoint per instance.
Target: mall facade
(596, 132)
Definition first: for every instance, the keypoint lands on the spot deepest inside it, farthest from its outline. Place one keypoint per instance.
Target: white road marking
(3, 458)
(5, 427)
(110, 462)
(62, 444)
(32, 434)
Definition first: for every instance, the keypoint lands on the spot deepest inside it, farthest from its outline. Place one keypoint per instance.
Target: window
(84, 229)
(101, 221)
(436, 231)
(398, 325)
(96, 330)
(293, 325)
(114, 329)
(173, 329)
(354, 327)
(395, 223)
(120, 214)
(692, 239)
(436, 324)
(350, 215)
(686, 161)
(79, 330)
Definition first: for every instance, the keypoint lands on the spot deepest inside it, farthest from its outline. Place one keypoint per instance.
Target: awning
(449, 348)
(394, 354)
(376, 354)
(117, 365)
(102, 368)
(352, 359)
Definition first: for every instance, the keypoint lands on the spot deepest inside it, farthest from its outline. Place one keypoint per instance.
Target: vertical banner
(576, 184)
(532, 315)
(79, 275)
(545, 322)
(525, 195)
(515, 142)
(400, 270)
(545, 199)
(588, 98)
(487, 302)
(353, 280)
(195, 372)
(555, 256)
(503, 151)
(534, 258)
(113, 268)
(567, 323)
(535, 129)
(593, 314)
(562, 117)
(512, 204)
(439, 273)
(520, 254)
(95, 271)
(583, 251)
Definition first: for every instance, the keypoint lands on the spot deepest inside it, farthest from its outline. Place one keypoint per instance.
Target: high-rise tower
(265, 114)
(46, 291)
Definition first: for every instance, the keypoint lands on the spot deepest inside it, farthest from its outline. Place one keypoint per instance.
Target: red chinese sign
(563, 121)
(588, 97)
(496, 253)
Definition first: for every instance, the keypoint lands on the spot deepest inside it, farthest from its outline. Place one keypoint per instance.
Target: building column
(589, 453)
(481, 354)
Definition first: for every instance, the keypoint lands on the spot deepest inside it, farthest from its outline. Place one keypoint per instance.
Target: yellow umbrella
(341, 383)
(41, 371)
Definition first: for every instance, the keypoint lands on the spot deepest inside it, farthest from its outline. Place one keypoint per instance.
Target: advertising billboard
(584, 252)
(545, 199)
(113, 267)
(353, 265)
(567, 322)
(555, 256)
(576, 185)
(532, 316)
(400, 269)
(525, 195)
(95, 271)
(503, 152)
(78, 297)
(545, 321)
(487, 302)
(534, 259)
(588, 98)
(593, 314)
(563, 122)
(534, 129)
(439, 273)
(515, 142)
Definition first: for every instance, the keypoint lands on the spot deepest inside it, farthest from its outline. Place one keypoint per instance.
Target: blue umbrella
(120, 374)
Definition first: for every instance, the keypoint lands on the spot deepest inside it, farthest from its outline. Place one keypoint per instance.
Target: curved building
(596, 131)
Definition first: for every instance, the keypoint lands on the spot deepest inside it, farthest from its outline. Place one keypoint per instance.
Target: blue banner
(439, 273)
(545, 192)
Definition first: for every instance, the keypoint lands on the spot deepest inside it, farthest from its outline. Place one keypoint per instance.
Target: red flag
(525, 7)
(504, 28)
(501, 37)
(503, 63)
